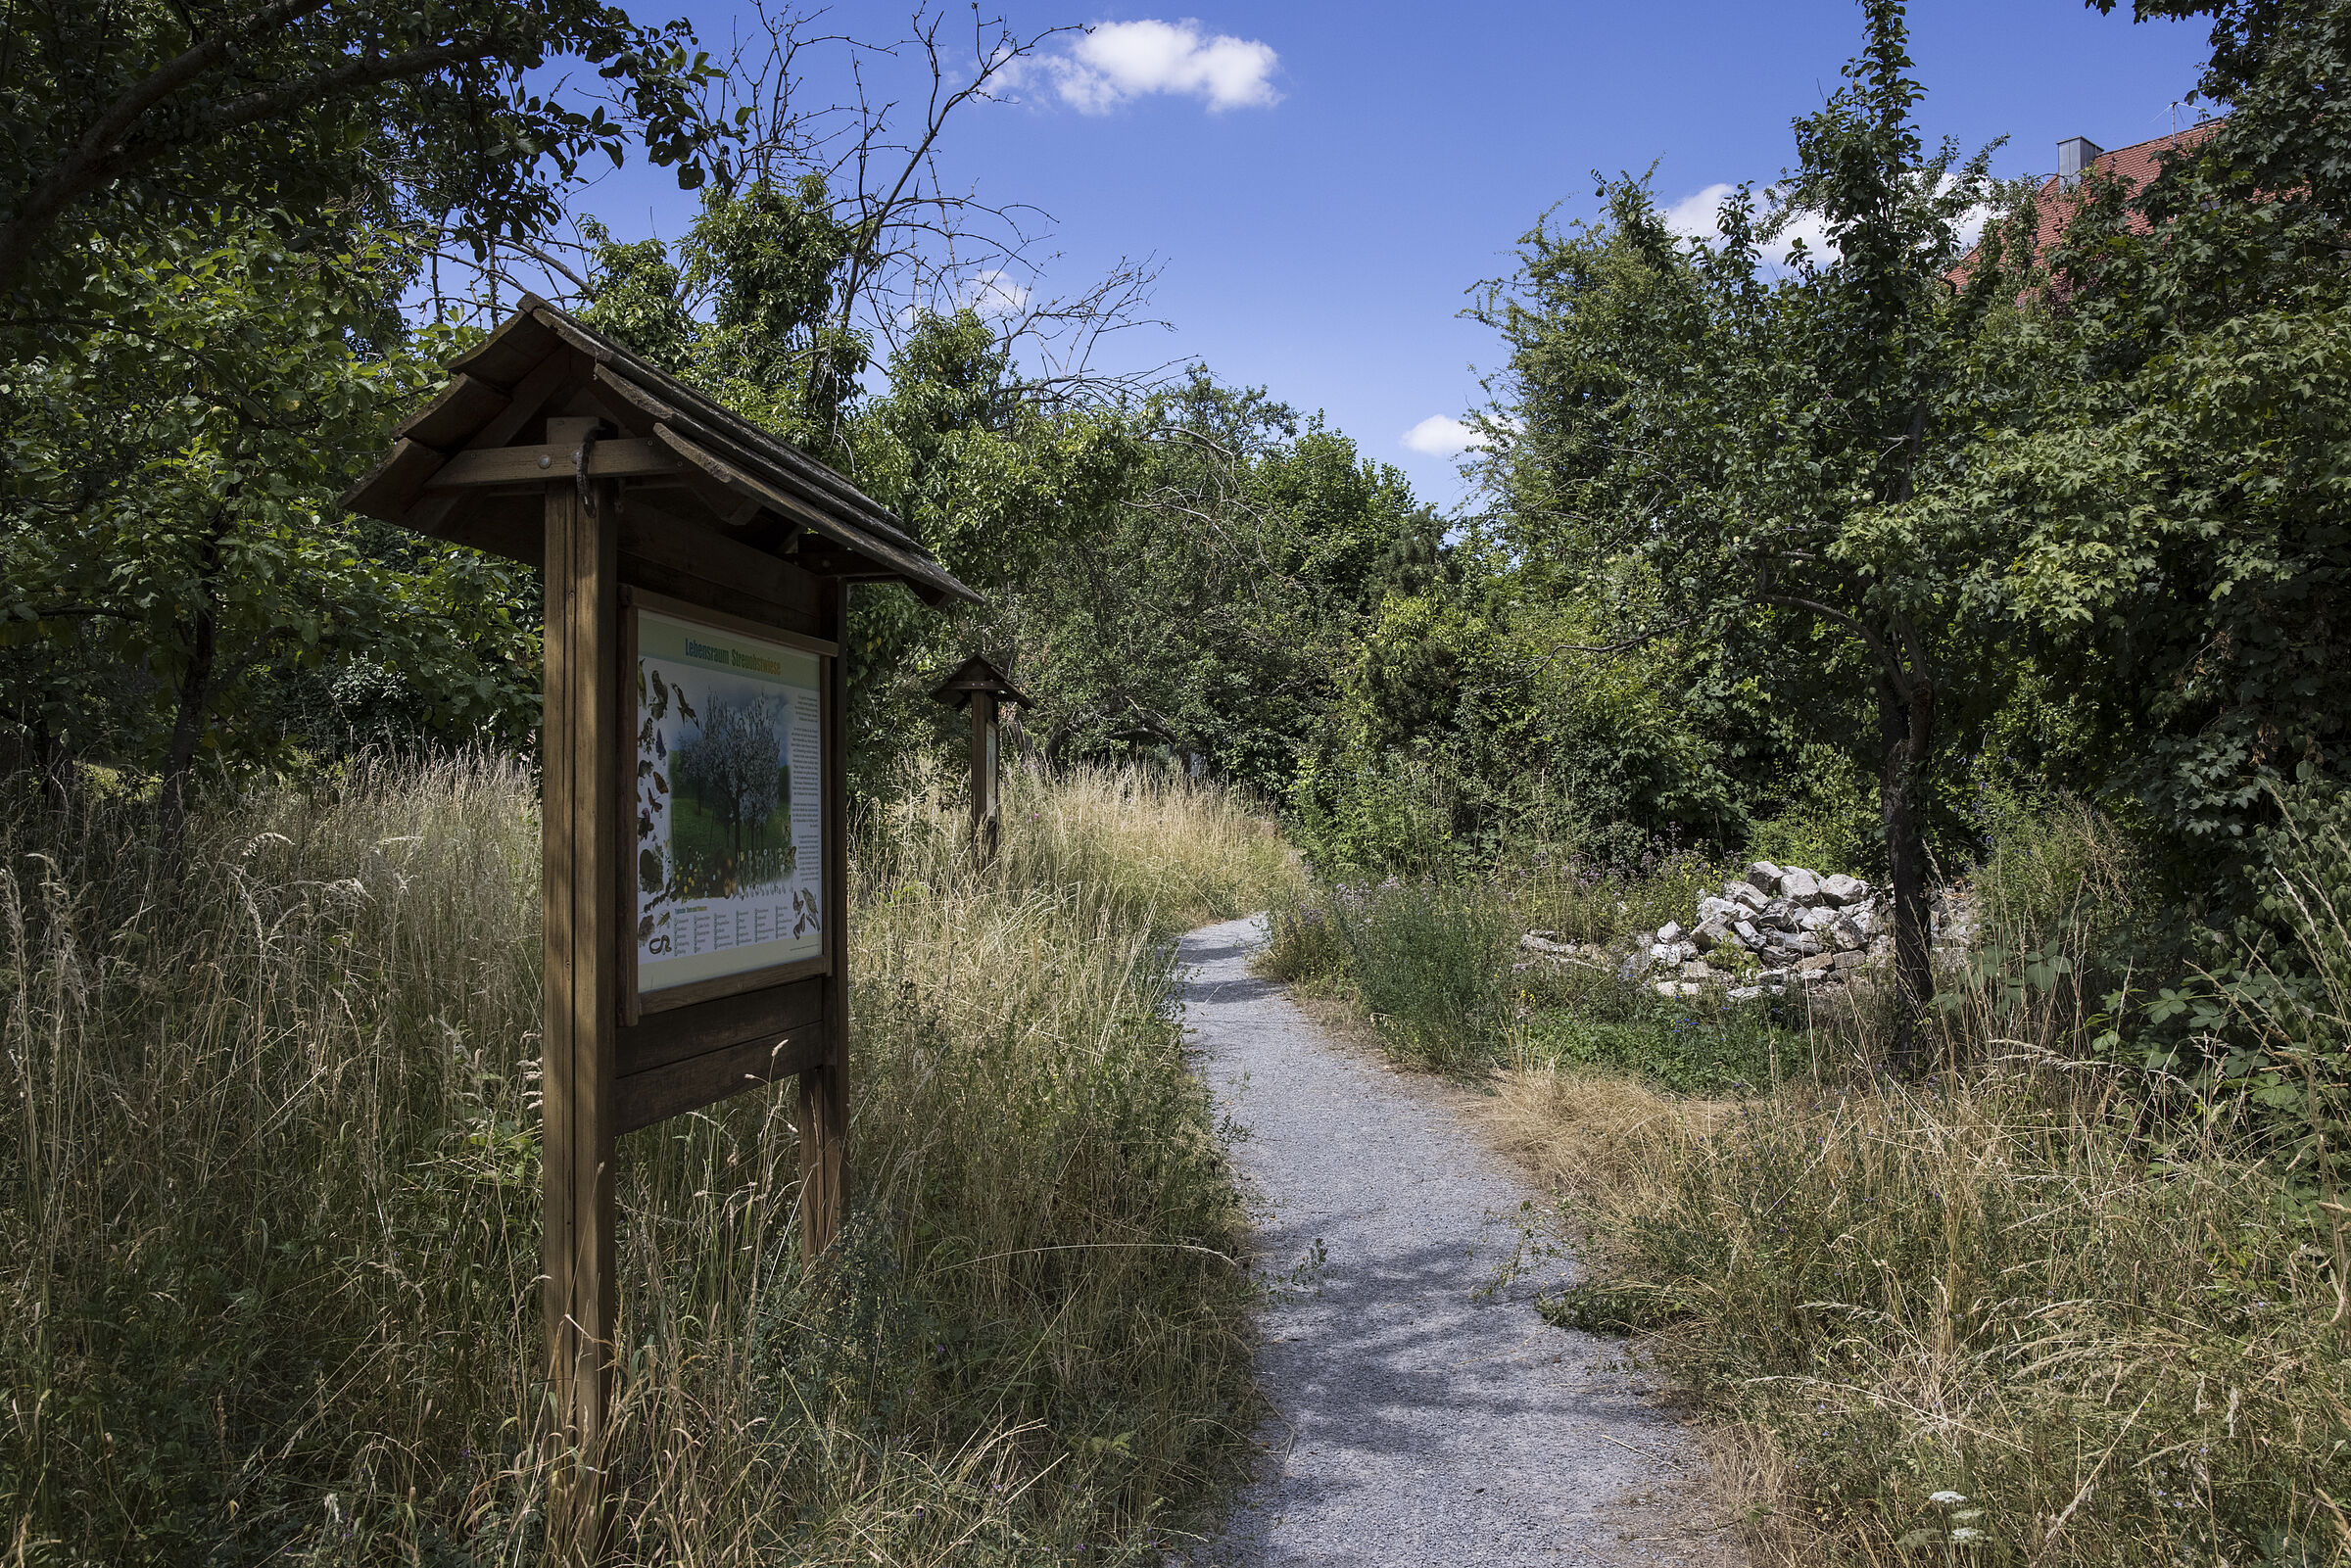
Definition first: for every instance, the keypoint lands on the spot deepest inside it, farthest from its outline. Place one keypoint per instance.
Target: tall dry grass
(2035, 1309)
(268, 1254)
(2113, 1352)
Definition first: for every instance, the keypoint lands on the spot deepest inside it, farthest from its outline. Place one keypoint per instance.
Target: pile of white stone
(1771, 929)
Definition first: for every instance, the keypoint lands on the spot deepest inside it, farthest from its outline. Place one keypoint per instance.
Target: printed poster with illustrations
(729, 831)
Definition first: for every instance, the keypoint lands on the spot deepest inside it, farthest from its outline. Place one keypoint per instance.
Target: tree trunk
(187, 728)
(1023, 748)
(56, 762)
(1906, 728)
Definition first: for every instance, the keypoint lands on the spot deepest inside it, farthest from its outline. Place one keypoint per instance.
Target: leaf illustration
(648, 870)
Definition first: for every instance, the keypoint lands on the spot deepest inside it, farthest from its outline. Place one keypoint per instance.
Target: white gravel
(1422, 1416)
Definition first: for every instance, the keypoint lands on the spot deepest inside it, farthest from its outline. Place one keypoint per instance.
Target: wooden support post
(983, 775)
(825, 1090)
(580, 742)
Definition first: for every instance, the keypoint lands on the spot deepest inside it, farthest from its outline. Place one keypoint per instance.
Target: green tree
(169, 545)
(1206, 606)
(1744, 436)
(2171, 502)
(133, 116)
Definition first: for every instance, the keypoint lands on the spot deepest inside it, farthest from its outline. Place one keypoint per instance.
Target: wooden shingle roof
(472, 466)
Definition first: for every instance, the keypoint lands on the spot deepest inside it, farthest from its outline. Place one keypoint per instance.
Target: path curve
(1421, 1416)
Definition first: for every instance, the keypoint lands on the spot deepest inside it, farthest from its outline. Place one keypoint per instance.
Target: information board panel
(728, 860)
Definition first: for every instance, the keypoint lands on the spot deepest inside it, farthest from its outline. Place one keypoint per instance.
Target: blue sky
(1321, 184)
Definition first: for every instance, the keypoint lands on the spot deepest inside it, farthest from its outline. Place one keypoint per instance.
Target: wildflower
(1963, 1536)
(1947, 1499)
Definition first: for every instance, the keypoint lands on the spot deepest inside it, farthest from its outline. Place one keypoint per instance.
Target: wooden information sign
(693, 781)
(981, 686)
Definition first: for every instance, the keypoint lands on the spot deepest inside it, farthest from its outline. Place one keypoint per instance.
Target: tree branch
(88, 166)
(1886, 658)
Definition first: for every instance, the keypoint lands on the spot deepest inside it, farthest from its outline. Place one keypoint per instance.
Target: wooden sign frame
(554, 446)
(636, 1002)
(980, 686)
(609, 1066)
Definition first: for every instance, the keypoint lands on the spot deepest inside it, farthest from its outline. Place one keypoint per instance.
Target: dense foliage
(1907, 527)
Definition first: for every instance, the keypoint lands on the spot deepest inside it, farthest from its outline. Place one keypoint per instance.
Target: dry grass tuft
(1607, 1137)
(2041, 1309)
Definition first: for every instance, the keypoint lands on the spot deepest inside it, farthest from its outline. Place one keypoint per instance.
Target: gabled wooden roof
(972, 675)
(472, 466)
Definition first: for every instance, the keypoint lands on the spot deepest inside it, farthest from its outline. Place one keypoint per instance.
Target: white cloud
(992, 294)
(1693, 217)
(1696, 216)
(1442, 436)
(1118, 61)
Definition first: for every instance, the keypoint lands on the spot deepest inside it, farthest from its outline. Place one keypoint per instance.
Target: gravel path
(1421, 1415)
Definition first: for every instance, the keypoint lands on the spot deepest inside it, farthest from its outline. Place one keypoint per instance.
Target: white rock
(1800, 886)
(1670, 932)
(1817, 920)
(1542, 942)
(1709, 907)
(1846, 937)
(1849, 960)
(1746, 933)
(1743, 993)
(1842, 889)
(1711, 935)
(1763, 877)
(1746, 893)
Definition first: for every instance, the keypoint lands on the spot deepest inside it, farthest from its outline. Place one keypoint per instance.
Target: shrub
(1303, 945)
(1429, 961)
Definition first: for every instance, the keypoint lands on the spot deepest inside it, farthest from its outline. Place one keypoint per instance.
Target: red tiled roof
(2134, 165)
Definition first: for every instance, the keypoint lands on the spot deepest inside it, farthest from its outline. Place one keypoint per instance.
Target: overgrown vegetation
(2012, 564)
(272, 1212)
(1939, 552)
(2075, 1296)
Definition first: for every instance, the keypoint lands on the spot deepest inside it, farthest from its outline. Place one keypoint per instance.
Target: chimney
(2075, 155)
